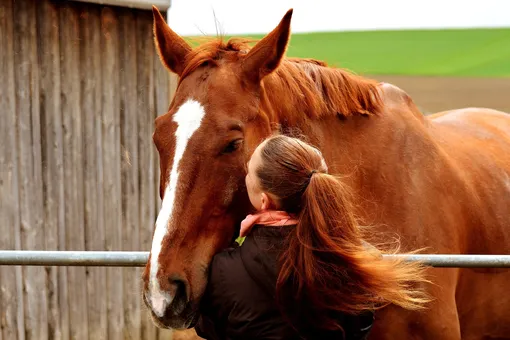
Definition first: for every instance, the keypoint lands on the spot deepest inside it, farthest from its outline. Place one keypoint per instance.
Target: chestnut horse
(441, 182)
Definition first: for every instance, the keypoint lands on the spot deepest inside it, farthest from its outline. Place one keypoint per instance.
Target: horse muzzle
(171, 308)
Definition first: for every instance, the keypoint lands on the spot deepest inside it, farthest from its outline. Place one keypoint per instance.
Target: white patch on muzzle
(188, 119)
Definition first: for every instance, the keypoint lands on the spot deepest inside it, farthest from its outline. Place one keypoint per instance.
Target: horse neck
(375, 150)
(351, 111)
(302, 91)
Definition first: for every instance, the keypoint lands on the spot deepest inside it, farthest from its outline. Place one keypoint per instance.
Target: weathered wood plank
(29, 166)
(73, 166)
(91, 92)
(88, 181)
(145, 60)
(130, 167)
(11, 294)
(111, 161)
(52, 160)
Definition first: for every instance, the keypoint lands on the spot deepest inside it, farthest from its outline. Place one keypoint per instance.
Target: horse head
(213, 124)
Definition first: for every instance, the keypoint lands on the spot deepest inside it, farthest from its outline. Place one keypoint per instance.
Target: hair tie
(311, 173)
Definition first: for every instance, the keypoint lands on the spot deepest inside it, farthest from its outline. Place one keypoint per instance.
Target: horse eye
(232, 146)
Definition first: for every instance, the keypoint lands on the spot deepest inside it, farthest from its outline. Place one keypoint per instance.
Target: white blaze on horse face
(188, 119)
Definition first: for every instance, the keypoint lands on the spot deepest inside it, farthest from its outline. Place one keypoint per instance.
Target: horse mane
(299, 85)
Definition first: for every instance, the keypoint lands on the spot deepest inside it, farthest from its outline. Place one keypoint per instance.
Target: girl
(303, 271)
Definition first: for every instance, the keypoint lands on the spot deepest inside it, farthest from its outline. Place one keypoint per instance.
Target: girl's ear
(268, 202)
(265, 201)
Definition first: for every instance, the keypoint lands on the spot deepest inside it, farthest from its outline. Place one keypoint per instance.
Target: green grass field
(459, 52)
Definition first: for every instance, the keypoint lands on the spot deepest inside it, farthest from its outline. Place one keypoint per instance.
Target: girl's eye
(232, 146)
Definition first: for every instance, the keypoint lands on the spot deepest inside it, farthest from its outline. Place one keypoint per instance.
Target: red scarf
(270, 218)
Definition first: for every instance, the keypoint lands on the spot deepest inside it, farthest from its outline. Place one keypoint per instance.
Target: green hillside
(459, 52)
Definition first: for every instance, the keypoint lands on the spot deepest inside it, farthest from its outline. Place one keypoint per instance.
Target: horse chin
(186, 319)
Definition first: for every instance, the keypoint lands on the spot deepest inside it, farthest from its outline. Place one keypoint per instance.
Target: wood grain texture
(130, 170)
(29, 166)
(91, 104)
(81, 86)
(111, 161)
(73, 166)
(12, 322)
(52, 161)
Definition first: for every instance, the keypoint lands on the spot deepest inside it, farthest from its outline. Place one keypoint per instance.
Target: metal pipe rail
(139, 259)
(74, 258)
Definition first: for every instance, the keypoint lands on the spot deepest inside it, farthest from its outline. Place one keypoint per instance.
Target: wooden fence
(80, 87)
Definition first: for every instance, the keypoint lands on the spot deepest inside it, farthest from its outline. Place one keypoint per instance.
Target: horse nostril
(179, 285)
(180, 295)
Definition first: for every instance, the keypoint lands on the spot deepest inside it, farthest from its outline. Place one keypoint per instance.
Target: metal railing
(139, 259)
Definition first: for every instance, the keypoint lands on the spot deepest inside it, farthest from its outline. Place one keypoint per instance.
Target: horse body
(441, 182)
(477, 143)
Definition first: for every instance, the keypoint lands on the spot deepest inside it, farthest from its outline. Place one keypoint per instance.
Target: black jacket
(239, 301)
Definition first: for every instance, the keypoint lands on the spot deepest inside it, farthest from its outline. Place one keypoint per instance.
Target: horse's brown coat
(441, 182)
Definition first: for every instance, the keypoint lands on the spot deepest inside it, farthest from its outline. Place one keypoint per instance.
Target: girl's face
(258, 198)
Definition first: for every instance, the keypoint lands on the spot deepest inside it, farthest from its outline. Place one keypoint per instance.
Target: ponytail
(327, 269)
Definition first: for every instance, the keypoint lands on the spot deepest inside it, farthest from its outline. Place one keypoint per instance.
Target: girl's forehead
(256, 154)
(259, 147)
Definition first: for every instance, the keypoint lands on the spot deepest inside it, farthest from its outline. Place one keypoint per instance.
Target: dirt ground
(434, 94)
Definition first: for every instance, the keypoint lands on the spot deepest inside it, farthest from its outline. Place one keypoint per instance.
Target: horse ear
(172, 49)
(267, 54)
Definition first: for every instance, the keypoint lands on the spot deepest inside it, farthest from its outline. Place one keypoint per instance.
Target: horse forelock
(212, 51)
